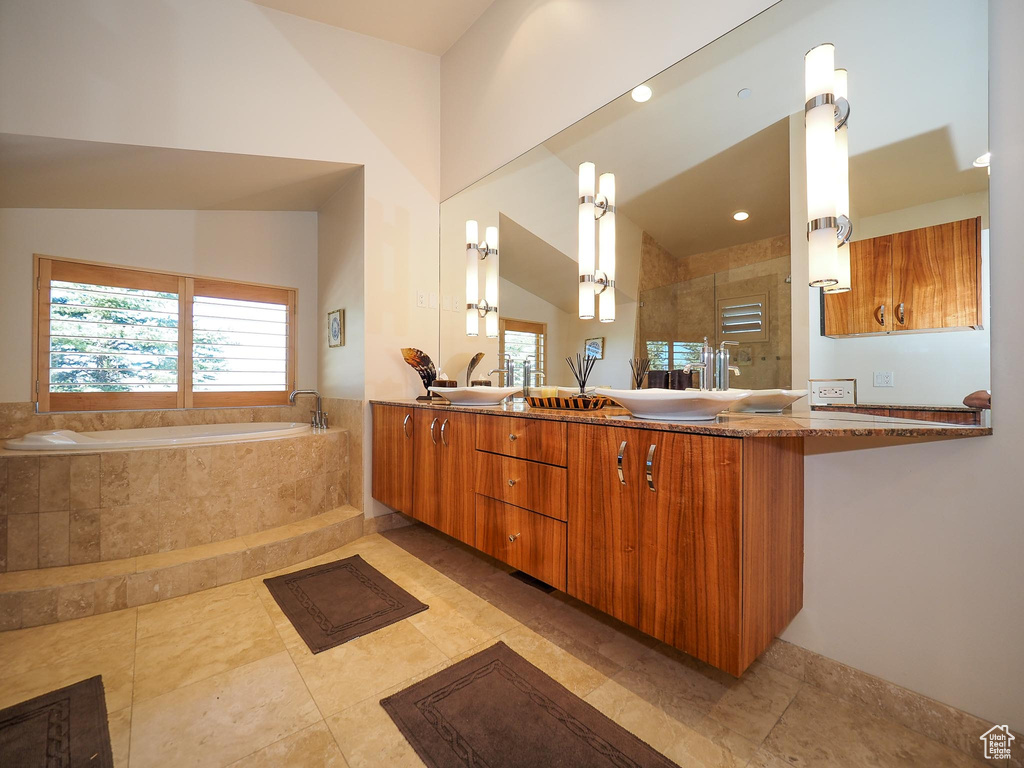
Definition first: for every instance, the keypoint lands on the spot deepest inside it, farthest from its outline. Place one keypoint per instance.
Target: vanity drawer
(533, 439)
(529, 542)
(537, 487)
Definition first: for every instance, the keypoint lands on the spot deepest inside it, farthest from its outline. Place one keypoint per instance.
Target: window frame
(524, 326)
(47, 268)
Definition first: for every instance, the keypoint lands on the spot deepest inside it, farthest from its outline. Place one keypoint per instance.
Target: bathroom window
(110, 338)
(523, 340)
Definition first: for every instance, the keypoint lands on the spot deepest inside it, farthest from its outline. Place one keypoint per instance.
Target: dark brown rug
(331, 604)
(495, 709)
(66, 728)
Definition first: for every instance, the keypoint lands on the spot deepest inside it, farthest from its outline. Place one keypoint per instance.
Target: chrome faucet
(530, 376)
(506, 372)
(706, 366)
(319, 418)
(722, 367)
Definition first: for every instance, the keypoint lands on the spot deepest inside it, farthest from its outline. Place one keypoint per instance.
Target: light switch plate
(446, 303)
(421, 299)
(433, 300)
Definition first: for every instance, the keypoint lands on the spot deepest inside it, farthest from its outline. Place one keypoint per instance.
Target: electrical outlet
(885, 379)
(831, 392)
(421, 299)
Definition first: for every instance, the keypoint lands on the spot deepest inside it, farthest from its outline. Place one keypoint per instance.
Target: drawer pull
(622, 450)
(405, 424)
(444, 426)
(650, 467)
(512, 437)
(512, 482)
(432, 425)
(513, 536)
(881, 315)
(900, 315)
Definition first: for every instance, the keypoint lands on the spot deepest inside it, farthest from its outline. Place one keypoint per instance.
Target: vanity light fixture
(486, 308)
(596, 282)
(641, 93)
(743, 93)
(828, 222)
(741, 215)
(984, 161)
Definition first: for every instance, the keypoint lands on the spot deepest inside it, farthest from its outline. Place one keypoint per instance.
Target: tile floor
(220, 678)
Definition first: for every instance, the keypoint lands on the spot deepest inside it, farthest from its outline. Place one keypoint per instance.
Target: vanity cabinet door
(604, 495)
(456, 509)
(393, 434)
(426, 502)
(690, 527)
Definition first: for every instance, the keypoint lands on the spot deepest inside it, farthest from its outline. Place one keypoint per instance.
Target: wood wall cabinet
(920, 280)
(444, 463)
(393, 456)
(699, 543)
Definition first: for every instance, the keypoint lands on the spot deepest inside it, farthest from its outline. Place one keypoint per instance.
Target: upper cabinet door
(867, 308)
(690, 526)
(937, 276)
(393, 431)
(604, 491)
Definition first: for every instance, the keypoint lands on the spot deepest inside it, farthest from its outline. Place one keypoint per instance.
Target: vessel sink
(475, 395)
(767, 400)
(674, 404)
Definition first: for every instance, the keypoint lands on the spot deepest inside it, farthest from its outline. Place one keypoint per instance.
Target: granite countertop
(900, 407)
(789, 423)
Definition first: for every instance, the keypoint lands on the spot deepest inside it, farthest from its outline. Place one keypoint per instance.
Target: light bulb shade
(472, 233)
(586, 256)
(844, 276)
(472, 276)
(606, 227)
(821, 165)
(819, 70)
(586, 301)
(842, 154)
(607, 305)
(588, 173)
(491, 280)
(491, 237)
(823, 258)
(472, 323)
(491, 325)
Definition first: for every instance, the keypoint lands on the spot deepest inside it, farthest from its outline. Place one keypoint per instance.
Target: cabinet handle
(512, 482)
(513, 536)
(622, 450)
(512, 437)
(650, 467)
(432, 425)
(900, 314)
(405, 424)
(444, 426)
(881, 315)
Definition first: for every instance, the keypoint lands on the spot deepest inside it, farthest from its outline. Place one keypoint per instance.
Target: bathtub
(154, 437)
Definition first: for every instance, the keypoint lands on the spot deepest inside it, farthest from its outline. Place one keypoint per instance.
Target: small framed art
(336, 328)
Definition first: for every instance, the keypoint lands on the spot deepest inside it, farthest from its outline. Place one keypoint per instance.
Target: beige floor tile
(114, 664)
(364, 667)
(195, 650)
(178, 612)
(578, 677)
(223, 718)
(819, 729)
(120, 725)
(511, 596)
(369, 738)
(312, 747)
(756, 701)
(453, 631)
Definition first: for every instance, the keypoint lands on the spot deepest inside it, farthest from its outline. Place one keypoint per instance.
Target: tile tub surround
(62, 510)
(174, 669)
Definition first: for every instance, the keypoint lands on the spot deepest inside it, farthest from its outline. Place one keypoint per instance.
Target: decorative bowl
(475, 395)
(673, 404)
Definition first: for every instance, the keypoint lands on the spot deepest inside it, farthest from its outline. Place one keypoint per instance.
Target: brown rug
(495, 709)
(65, 728)
(331, 604)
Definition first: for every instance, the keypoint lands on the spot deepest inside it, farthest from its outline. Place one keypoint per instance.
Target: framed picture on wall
(594, 348)
(336, 328)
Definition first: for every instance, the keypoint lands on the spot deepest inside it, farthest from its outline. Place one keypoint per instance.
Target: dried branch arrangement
(581, 369)
(640, 366)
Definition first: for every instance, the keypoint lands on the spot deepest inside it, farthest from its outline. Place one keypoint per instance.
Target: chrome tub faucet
(319, 418)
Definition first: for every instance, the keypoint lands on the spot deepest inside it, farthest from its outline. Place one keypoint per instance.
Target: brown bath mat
(331, 604)
(498, 710)
(66, 727)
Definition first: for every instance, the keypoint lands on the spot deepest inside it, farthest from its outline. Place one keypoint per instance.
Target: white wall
(278, 248)
(233, 76)
(913, 569)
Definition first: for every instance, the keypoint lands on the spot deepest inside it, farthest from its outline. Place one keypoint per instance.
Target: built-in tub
(153, 437)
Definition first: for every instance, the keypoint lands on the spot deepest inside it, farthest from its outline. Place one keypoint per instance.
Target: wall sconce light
(487, 308)
(826, 112)
(596, 205)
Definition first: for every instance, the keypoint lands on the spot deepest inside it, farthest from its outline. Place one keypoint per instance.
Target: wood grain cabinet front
(393, 456)
(532, 439)
(529, 542)
(528, 484)
(443, 462)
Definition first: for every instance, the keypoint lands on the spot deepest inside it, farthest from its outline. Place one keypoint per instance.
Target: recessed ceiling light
(743, 93)
(983, 161)
(741, 215)
(641, 93)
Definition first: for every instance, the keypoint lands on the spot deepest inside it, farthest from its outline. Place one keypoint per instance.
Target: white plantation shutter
(522, 339)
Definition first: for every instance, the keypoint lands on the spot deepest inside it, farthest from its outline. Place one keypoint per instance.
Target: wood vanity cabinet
(698, 542)
(444, 460)
(922, 279)
(393, 434)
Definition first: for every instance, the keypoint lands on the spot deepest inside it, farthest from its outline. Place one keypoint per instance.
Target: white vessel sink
(475, 395)
(674, 404)
(767, 400)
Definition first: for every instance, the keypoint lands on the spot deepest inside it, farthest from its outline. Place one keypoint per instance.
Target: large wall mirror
(711, 218)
